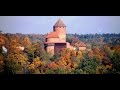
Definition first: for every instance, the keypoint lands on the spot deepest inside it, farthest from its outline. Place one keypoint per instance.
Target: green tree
(115, 59)
(79, 71)
(40, 51)
(89, 65)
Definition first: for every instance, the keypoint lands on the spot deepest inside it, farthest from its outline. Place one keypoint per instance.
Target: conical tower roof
(59, 23)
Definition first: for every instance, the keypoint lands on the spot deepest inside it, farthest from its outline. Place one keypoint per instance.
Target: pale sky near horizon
(75, 24)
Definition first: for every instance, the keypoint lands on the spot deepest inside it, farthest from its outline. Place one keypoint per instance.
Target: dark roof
(59, 23)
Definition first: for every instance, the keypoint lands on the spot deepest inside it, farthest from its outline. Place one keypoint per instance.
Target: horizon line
(66, 33)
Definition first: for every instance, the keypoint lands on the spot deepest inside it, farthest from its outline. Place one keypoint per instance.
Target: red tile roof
(59, 23)
(52, 35)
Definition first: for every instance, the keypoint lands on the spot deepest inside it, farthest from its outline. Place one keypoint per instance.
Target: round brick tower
(60, 29)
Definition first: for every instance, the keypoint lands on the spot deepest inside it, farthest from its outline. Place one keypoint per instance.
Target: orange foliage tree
(68, 61)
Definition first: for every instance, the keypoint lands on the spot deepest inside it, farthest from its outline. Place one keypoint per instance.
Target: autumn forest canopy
(25, 54)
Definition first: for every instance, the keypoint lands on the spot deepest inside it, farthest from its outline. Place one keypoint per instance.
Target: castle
(56, 40)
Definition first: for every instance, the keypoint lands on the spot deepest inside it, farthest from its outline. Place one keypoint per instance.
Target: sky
(75, 24)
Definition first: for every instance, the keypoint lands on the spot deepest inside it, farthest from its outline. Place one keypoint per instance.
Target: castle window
(46, 39)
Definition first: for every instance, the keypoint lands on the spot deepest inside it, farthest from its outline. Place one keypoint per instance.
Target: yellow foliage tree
(26, 42)
(35, 65)
(16, 63)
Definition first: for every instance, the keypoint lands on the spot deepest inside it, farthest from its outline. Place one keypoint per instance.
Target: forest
(26, 55)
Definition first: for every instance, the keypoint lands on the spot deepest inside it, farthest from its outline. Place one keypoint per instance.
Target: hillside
(26, 55)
